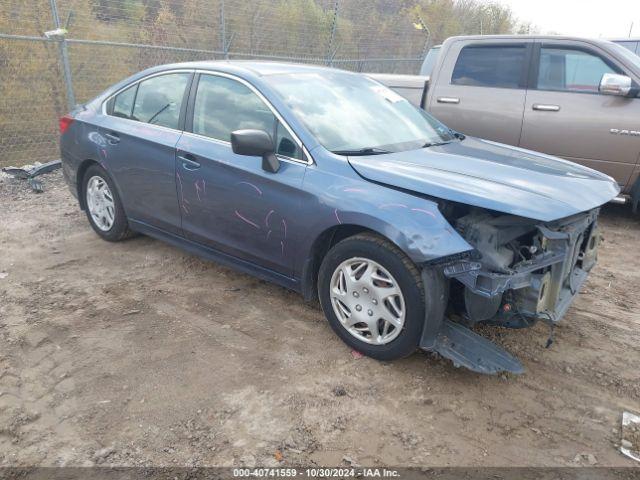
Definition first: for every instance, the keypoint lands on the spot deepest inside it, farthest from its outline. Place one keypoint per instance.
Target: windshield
(351, 113)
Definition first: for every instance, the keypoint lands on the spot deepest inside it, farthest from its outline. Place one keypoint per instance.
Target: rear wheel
(103, 207)
(372, 295)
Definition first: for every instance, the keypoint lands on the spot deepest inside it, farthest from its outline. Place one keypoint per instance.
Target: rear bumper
(69, 171)
(71, 183)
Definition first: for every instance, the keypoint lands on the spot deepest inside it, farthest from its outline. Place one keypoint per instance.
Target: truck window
(571, 70)
(490, 66)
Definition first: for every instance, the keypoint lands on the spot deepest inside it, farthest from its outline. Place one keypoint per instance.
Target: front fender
(413, 223)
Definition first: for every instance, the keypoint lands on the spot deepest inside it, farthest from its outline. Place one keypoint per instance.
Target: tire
(400, 270)
(118, 228)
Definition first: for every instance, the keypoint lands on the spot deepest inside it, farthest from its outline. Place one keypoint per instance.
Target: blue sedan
(330, 184)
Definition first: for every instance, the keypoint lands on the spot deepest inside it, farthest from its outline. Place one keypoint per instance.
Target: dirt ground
(138, 353)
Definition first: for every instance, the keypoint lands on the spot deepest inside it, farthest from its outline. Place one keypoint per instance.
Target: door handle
(454, 100)
(188, 163)
(112, 138)
(546, 108)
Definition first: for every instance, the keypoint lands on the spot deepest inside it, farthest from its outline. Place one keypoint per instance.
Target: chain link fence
(56, 53)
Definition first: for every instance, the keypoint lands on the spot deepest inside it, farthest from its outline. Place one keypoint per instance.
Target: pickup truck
(569, 97)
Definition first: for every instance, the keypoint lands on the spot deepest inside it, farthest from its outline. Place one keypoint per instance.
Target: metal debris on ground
(630, 442)
(36, 185)
(29, 172)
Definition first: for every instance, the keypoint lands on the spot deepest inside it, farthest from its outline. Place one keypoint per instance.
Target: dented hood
(494, 176)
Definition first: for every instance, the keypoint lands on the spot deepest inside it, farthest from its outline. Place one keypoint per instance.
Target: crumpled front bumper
(544, 286)
(541, 288)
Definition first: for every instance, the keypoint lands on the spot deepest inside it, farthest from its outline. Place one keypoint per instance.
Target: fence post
(425, 48)
(332, 35)
(64, 57)
(223, 32)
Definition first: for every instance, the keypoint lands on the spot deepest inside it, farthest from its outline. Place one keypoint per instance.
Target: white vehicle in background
(631, 44)
(430, 60)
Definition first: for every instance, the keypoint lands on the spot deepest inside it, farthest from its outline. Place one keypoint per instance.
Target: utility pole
(630, 29)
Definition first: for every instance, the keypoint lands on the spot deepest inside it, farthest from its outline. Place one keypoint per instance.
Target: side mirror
(256, 143)
(613, 84)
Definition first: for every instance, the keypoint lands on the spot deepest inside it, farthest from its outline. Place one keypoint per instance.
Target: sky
(588, 18)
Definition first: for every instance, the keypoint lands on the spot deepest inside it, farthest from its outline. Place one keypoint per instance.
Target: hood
(493, 176)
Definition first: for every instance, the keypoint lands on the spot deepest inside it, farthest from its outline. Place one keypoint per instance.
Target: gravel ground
(140, 354)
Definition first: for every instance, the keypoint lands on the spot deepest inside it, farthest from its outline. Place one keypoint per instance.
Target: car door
(480, 89)
(141, 128)
(565, 115)
(227, 200)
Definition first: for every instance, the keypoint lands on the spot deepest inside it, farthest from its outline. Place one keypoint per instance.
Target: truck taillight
(65, 122)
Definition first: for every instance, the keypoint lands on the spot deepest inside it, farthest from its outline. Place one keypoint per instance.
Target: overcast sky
(603, 18)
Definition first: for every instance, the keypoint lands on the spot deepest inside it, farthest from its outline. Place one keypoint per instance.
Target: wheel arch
(321, 246)
(82, 169)
(635, 195)
(422, 235)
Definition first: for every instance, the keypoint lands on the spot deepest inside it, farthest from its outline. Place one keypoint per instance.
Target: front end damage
(520, 271)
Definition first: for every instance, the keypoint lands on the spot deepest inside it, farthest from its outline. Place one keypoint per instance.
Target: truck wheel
(373, 297)
(103, 207)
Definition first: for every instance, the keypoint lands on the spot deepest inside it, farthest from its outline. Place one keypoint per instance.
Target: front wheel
(373, 297)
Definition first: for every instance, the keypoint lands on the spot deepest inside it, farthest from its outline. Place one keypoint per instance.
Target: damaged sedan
(330, 184)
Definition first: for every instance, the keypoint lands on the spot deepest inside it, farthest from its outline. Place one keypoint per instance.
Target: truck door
(480, 88)
(565, 115)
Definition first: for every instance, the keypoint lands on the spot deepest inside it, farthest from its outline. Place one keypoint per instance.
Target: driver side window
(223, 105)
(571, 70)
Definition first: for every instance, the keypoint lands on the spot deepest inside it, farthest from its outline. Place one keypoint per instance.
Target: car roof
(247, 69)
(259, 68)
(527, 37)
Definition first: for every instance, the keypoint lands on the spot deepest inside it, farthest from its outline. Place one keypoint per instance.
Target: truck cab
(543, 94)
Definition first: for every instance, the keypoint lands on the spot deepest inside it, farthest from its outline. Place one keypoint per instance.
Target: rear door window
(159, 100)
(123, 102)
(490, 66)
(571, 70)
